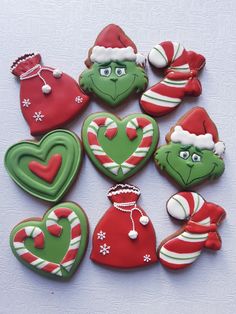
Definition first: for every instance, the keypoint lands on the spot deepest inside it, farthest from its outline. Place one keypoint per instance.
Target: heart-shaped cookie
(54, 245)
(47, 168)
(119, 148)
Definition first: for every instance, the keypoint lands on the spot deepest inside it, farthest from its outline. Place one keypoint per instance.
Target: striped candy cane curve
(200, 231)
(180, 78)
(75, 236)
(38, 236)
(137, 156)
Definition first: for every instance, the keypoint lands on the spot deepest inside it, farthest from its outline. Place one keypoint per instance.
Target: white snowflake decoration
(147, 258)
(101, 235)
(26, 102)
(38, 116)
(104, 249)
(79, 99)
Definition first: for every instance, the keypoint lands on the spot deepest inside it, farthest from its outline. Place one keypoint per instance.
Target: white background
(63, 31)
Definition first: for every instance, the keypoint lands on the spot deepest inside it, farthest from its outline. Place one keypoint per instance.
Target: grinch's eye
(184, 154)
(196, 158)
(120, 71)
(105, 71)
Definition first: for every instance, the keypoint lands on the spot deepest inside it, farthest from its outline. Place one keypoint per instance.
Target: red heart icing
(48, 172)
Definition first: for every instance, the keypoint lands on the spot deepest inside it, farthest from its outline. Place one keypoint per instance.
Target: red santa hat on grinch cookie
(196, 128)
(112, 44)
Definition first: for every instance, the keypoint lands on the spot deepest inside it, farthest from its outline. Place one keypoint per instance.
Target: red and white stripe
(131, 131)
(180, 78)
(75, 233)
(38, 236)
(182, 250)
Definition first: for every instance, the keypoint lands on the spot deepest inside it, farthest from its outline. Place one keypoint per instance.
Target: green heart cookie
(119, 148)
(54, 245)
(47, 168)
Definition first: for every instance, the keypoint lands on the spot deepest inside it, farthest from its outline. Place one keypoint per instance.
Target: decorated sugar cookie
(119, 148)
(45, 169)
(54, 245)
(49, 98)
(180, 78)
(200, 231)
(115, 68)
(124, 237)
(193, 152)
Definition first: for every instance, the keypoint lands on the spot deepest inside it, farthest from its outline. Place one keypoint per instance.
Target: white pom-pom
(57, 73)
(140, 59)
(133, 234)
(219, 148)
(46, 89)
(144, 220)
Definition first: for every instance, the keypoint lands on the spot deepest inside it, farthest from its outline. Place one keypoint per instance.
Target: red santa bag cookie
(124, 237)
(49, 98)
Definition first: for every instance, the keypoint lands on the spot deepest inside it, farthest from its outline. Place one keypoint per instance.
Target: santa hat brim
(202, 141)
(102, 54)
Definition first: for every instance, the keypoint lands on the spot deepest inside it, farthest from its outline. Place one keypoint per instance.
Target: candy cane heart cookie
(182, 248)
(180, 78)
(119, 148)
(54, 245)
(45, 169)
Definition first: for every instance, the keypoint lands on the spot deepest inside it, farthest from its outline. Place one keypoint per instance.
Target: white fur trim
(203, 141)
(101, 54)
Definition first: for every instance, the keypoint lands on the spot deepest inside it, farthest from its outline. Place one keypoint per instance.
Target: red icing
(124, 252)
(48, 172)
(61, 105)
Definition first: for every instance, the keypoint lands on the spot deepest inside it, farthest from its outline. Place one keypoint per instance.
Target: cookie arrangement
(118, 147)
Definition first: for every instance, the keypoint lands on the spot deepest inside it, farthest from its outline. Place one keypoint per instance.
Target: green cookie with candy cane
(54, 245)
(45, 169)
(119, 148)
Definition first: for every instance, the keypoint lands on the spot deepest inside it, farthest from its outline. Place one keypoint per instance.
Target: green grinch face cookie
(119, 148)
(193, 152)
(45, 169)
(115, 69)
(54, 245)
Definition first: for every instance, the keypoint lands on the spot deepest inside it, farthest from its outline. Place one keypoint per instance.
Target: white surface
(63, 31)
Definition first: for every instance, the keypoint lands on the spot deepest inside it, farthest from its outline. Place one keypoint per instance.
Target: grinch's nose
(190, 164)
(113, 79)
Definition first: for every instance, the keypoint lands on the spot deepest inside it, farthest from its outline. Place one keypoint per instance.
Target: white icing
(219, 148)
(144, 220)
(46, 89)
(101, 54)
(133, 234)
(178, 207)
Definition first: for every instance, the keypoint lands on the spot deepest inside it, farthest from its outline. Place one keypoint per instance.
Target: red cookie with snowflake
(49, 98)
(124, 237)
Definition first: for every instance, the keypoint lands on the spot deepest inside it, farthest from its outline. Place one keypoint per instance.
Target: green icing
(188, 165)
(55, 248)
(18, 157)
(114, 81)
(120, 147)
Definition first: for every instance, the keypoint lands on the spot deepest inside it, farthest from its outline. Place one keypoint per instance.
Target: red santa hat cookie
(196, 128)
(49, 98)
(112, 44)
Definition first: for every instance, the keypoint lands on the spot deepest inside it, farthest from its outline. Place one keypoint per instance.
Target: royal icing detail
(53, 264)
(49, 98)
(121, 238)
(45, 169)
(180, 78)
(184, 247)
(94, 137)
(115, 68)
(193, 152)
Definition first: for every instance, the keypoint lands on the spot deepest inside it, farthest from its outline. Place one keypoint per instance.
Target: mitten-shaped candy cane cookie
(183, 247)
(180, 78)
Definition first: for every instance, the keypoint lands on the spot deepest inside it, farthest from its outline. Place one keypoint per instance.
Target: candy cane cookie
(182, 68)
(119, 147)
(183, 247)
(59, 241)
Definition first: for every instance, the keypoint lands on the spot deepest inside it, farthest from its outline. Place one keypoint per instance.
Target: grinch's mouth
(115, 96)
(187, 182)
